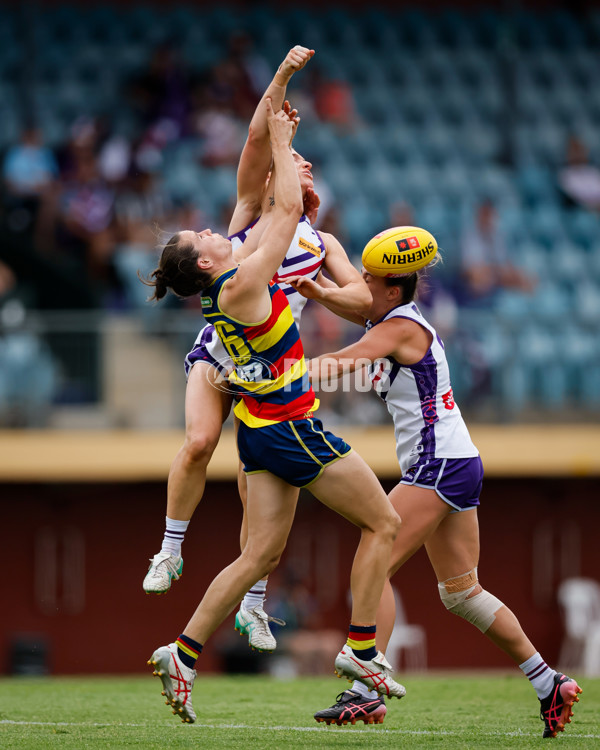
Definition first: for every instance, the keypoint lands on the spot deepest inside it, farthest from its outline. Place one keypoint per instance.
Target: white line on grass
(323, 728)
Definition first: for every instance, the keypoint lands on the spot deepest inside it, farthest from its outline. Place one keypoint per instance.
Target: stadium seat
(539, 357)
(579, 599)
(545, 225)
(583, 227)
(408, 639)
(587, 298)
(551, 301)
(29, 379)
(536, 185)
(512, 307)
(580, 355)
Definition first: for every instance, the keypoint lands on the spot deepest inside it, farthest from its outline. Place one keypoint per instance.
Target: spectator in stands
(84, 218)
(29, 167)
(485, 260)
(162, 92)
(29, 171)
(334, 102)
(256, 70)
(579, 180)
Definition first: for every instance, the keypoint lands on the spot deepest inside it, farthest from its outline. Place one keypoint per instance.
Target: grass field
(439, 711)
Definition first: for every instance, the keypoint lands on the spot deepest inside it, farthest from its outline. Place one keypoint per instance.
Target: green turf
(449, 711)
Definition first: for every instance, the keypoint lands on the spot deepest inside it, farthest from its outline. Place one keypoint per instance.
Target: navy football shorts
(296, 451)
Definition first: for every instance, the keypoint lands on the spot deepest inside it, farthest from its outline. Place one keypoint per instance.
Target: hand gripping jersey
(304, 257)
(269, 370)
(427, 421)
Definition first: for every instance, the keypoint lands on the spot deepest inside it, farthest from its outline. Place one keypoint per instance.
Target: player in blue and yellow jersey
(281, 444)
(309, 253)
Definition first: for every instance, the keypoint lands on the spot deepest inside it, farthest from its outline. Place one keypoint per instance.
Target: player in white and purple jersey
(438, 493)
(306, 257)
(207, 403)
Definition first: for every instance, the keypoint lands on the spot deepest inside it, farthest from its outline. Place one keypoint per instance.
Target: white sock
(256, 595)
(362, 689)
(539, 674)
(174, 536)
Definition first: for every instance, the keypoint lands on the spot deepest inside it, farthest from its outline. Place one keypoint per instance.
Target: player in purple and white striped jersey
(438, 493)
(207, 403)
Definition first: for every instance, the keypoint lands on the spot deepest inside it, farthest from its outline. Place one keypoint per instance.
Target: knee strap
(480, 610)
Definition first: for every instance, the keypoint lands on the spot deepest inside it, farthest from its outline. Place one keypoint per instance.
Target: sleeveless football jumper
(277, 432)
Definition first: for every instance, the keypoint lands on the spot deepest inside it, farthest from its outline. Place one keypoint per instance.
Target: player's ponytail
(177, 270)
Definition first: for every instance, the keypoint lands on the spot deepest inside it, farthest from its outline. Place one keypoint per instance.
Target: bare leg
(453, 550)
(271, 507)
(206, 408)
(351, 489)
(421, 511)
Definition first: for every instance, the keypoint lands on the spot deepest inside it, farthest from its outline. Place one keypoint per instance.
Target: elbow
(364, 300)
(293, 207)
(255, 136)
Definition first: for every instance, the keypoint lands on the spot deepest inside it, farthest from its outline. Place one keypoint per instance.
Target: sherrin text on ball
(399, 250)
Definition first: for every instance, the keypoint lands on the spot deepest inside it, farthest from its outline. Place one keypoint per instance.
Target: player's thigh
(453, 548)
(242, 482)
(207, 404)
(270, 509)
(421, 511)
(350, 488)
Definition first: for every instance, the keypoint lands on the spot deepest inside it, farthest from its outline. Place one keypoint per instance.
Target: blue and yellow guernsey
(270, 372)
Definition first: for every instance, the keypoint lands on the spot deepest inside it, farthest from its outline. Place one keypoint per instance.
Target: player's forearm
(258, 130)
(355, 297)
(330, 367)
(341, 300)
(287, 194)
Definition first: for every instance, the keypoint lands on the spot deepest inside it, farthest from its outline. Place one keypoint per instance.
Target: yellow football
(399, 250)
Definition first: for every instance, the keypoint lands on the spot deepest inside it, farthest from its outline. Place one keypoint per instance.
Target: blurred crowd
(81, 219)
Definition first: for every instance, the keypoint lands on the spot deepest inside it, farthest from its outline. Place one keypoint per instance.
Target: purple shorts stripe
(457, 481)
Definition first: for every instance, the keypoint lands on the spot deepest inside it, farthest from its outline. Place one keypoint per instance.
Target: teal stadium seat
(543, 370)
(583, 227)
(545, 225)
(537, 185)
(551, 302)
(580, 351)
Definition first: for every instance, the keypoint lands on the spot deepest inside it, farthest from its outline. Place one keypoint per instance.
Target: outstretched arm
(347, 295)
(245, 296)
(403, 339)
(255, 160)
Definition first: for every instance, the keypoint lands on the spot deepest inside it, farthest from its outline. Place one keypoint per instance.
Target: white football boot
(177, 680)
(255, 624)
(163, 568)
(376, 674)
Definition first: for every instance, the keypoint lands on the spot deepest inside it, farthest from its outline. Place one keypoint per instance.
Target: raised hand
(306, 286)
(295, 60)
(281, 127)
(293, 115)
(311, 205)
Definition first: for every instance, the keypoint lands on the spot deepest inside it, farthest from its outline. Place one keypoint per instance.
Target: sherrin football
(399, 250)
